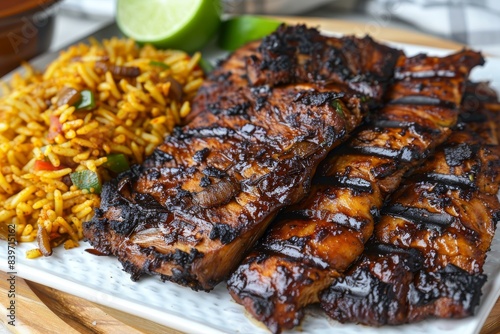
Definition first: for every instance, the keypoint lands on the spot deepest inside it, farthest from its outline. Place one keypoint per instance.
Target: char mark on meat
(191, 211)
(434, 233)
(313, 242)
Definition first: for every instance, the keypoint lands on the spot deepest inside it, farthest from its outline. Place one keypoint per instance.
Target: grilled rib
(480, 112)
(314, 241)
(426, 258)
(297, 54)
(191, 210)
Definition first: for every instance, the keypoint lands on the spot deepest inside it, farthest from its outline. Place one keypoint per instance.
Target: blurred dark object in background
(26, 28)
(274, 7)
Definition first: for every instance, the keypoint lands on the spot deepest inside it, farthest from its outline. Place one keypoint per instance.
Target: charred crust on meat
(317, 98)
(223, 232)
(350, 222)
(279, 61)
(419, 216)
(362, 294)
(133, 270)
(153, 174)
(411, 257)
(248, 129)
(182, 277)
(405, 126)
(236, 110)
(145, 209)
(263, 90)
(375, 212)
(149, 203)
(423, 100)
(451, 181)
(134, 171)
(337, 64)
(404, 296)
(472, 117)
(214, 172)
(204, 132)
(354, 223)
(451, 282)
(440, 202)
(496, 217)
(214, 108)
(160, 157)
(384, 170)
(456, 155)
(292, 119)
(296, 242)
(201, 155)
(237, 286)
(181, 193)
(122, 227)
(205, 181)
(406, 154)
(261, 94)
(260, 102)
(224, 76)
(186, 259)
(98, 213)
(331, 136)
(358, 185)
(282, 53)
(260, 305)
(261, 153)
(296, 215)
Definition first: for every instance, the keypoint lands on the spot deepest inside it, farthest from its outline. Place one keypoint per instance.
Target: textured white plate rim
(30, 270)
(82, 291)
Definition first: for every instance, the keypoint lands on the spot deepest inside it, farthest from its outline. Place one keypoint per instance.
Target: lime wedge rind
(237, 31)
(179, 24)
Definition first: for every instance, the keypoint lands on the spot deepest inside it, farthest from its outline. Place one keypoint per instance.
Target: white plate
(102, 280)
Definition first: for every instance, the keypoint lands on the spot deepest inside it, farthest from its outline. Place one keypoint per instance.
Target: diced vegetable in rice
(95, 110)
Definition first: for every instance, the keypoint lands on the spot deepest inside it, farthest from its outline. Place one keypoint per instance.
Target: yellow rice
(132, 116)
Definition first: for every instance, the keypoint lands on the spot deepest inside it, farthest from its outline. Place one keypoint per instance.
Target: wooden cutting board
(40, 309)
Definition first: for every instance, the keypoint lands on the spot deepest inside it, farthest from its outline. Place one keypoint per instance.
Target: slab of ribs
(318, 169)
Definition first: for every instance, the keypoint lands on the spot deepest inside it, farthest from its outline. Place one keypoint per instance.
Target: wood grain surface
(376, 30)
(44, 310)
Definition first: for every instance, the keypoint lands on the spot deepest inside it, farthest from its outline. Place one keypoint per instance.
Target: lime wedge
(240, 30)
(177, 24)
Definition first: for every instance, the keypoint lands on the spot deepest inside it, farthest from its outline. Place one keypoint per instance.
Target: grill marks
(298, 54)
(419, 216)
(249, 149)
(354, 183)
(313, 242)
(432, 239)
(407, 154)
